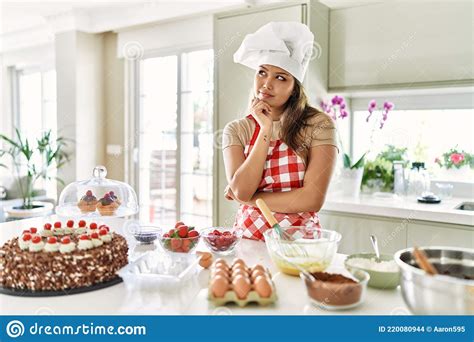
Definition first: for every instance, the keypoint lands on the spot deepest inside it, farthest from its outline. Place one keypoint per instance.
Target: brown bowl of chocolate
(338, 290)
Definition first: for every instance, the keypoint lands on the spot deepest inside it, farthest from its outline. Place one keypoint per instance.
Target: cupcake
(87, 203)
(114, 197)
(107, 206)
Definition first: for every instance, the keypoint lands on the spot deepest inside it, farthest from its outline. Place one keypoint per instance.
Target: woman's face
(273, 85)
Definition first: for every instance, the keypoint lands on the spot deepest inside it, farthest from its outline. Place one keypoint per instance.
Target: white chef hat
(287, 45)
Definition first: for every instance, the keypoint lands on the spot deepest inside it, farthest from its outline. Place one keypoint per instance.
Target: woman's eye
(281, 78)
(261, 72)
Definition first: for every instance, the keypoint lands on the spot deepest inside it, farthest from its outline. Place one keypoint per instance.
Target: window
(175, 140)
(35, 99)
(426, 134)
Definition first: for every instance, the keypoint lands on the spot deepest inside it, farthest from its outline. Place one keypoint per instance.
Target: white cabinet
(393, 234)
(234, 82)
(356, 231)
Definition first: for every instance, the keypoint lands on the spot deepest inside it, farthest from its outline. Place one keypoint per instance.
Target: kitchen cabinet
(356, 230)
(393, 233)
(234, 82)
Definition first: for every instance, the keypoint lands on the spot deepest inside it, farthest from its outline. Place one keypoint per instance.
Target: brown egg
(259, 267)
(241, 286)
(258, 272)
(238, 262)
(219, 286)
(263, 287)
(240, 271)
(220, 261)
(220, 272)
(205, 259)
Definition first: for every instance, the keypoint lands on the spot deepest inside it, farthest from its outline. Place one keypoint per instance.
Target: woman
(284, 150)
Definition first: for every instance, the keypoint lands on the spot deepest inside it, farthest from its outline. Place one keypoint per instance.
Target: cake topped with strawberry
(76, 254)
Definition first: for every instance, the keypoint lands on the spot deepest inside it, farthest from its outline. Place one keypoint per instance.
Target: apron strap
(255, 132)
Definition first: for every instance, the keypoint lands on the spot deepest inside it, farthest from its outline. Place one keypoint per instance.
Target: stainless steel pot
(440, 294)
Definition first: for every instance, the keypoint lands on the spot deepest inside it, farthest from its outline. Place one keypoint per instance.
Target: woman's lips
(265, 96)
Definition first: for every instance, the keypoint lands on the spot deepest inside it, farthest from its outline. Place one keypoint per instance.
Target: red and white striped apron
(284, 170)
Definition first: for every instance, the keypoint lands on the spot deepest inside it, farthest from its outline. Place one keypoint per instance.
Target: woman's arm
(311, 196)
(245, 174)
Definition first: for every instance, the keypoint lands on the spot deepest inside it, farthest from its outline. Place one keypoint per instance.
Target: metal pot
(440, 294)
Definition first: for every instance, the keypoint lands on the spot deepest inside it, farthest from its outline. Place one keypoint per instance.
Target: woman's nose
(268, 84)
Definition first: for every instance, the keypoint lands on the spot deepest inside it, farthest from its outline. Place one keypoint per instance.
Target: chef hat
(287, 45)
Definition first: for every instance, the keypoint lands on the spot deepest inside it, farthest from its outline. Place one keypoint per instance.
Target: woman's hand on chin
(261, 110)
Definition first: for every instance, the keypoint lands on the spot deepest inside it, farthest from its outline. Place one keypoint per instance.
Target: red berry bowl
(173, 241)
(221, 240)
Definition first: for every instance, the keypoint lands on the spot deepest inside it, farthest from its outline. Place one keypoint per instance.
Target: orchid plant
(337, 109)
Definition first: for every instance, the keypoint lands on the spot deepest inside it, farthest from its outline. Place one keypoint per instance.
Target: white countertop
(192, 300)
(402, 207)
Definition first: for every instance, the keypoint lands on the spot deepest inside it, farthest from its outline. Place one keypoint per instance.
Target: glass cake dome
(97, 197)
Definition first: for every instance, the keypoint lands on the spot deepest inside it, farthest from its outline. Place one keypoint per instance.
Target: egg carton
(252, 297)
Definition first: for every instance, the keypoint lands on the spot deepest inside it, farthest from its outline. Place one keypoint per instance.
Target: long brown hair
(296, 118)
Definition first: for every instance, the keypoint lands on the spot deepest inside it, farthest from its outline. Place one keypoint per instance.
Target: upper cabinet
(401, 44)
(234, 82)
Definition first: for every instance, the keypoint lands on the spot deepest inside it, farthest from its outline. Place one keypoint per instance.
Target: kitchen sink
(465, 206)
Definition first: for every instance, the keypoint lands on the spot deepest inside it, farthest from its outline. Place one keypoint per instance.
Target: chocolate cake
(65, 259)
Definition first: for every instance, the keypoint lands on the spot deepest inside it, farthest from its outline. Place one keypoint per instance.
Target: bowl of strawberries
(221, 240)
(180, 239)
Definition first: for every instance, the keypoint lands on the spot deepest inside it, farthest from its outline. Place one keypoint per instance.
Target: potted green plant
(456, 164)
(31, 163)
(352, 172)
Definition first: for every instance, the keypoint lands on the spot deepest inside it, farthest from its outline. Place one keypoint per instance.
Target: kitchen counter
(192, 299)
(402, 207)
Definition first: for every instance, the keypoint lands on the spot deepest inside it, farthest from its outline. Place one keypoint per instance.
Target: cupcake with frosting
(52, 244)
(47, 231)
(96, 241)
(87, 203)
(105, 235)
(107, 205)
(36, 244)
(58, 229)
(82, 228)
(84, 242)
(67, 246)
(25, 240)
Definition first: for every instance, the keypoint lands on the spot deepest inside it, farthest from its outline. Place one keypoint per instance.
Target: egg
(258, 267)
(241, 286)
(205, 259)
(237, 262)
(239, 271)
(262, 286)
(220, 261)
(219, 286)
(220, 272)
(258, 272)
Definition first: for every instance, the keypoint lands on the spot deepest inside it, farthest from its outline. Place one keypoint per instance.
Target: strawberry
(182, 231)
(193, 234)
(82, 223)
(227, 233)
(103, 231)
(36, 239)
(94, 235)
(166, 235)
(179, 223)
(66, 240)
(84, 237)
(26, 237)
(70, 224)
(175, 244)
(88, 193)
(93, 225)
(47, 226)
(186, 244)
(52, 239)
(171, 232)
(216, 232)
(26, 231)
(33, 230)
(57, 224)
